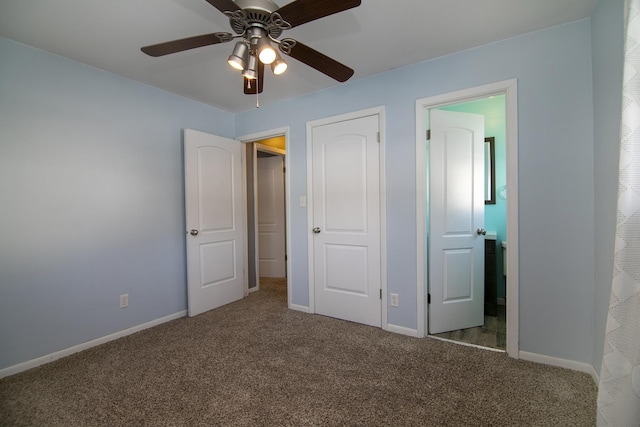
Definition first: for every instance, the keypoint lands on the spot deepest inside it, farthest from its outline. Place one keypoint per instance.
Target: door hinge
(428, 298)
(284, 169)
(378, 136)
(428, 134)
(380, 293)
(286, 258)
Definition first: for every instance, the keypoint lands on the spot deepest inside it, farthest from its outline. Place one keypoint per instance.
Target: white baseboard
(301, 308)
(21, 367)
(561, 363)
(401, 330)
(594, 375)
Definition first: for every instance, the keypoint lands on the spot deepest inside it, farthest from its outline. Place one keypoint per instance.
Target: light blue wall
(607, 42)
(495, 216)
(91, 201)
(553, 68)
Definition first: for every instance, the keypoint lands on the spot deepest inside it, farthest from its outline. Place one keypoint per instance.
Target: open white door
(215, 229)
(456, 240)
(271, 217)
(346, 220)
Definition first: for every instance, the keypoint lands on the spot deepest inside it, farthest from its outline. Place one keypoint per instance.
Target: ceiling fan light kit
(265, 52)
(251, 71)
(238, 59)
(278, 66)
(259, 23)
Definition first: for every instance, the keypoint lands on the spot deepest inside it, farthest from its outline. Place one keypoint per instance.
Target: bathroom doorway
(492, 332)
(497, 329)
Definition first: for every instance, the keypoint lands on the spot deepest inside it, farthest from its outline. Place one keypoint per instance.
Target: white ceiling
(377, 36)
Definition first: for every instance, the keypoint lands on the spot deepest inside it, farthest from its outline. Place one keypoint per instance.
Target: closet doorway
(266, 210)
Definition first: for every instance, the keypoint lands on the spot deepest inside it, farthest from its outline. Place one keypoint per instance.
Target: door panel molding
(456, 192)
(270, 218)
(379, 112)
(510, 89)
(215, 221)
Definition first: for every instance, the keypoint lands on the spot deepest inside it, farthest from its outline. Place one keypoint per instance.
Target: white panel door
(456, 201)
(346, 220)
(215, 230)
(271, 217)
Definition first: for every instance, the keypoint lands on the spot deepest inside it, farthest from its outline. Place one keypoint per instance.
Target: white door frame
(380, 112)
(510, 89)
(284, 131)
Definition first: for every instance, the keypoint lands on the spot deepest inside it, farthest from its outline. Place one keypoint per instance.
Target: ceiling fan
(258, 24)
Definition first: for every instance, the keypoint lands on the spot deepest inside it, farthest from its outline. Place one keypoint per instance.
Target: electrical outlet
(124, 301)
(394, 300)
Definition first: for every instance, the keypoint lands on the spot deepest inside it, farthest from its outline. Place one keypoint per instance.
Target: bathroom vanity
(490, 275)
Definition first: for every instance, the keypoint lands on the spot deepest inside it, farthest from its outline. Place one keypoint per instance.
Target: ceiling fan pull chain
(258, 93)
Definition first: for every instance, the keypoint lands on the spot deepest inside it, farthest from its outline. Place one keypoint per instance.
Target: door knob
(316, 230)
(193, 232)
(481, 231)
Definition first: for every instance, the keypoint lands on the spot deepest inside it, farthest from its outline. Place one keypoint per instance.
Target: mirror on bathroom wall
(490, 170)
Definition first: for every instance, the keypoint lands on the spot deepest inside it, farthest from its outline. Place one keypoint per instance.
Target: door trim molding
(375, 111)
(283, 131)
(510, 89)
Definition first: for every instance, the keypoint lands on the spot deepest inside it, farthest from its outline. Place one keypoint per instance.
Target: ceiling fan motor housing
(254, 13)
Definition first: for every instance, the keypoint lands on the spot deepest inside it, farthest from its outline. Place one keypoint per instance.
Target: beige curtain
(619, 389)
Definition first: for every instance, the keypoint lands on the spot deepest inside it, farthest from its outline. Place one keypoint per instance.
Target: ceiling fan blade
(224, 5)
(250, 86)
(180, 45)
(319, 61)
(302, 11)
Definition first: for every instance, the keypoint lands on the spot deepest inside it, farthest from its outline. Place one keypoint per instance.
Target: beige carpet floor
(256, 363)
